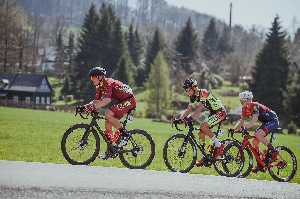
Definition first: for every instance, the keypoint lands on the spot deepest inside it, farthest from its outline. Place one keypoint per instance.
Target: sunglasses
(94, 78)
(243, 100)
(187, 90)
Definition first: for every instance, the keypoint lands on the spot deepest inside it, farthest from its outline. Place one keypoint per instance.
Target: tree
(187, 42)
(292, 99)
(157, 44)
(210, 41)
(270, 73)
(87, 56)
(158, 85)
(134, 44)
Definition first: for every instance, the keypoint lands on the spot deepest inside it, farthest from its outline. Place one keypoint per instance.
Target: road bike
(283, 169)
(180, 153)
(80, 144)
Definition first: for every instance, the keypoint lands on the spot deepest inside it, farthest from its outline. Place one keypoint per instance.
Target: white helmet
(246, 95)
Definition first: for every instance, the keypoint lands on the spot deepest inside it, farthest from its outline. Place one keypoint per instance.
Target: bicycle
(283, 169)
(180, 153)
(80, 144)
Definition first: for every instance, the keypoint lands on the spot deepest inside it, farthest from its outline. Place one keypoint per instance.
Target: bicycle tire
(143, 150)
(248, 163)
(176, 159)
(74, 150)
(232, 160)
(287, 165)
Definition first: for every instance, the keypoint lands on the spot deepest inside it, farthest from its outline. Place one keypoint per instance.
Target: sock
(270, 146)
(216, 141)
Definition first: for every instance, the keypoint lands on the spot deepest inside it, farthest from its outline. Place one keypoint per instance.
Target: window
(27, 100)
(37, 100)
(48, 100)
(16, 99)
(43, 100)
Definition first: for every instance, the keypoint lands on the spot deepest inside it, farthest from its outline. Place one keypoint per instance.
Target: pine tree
(292, 97)
(270, 73)
(187, 42)
(87, 56)
(158, 85)
(210, 41)
(157, 44)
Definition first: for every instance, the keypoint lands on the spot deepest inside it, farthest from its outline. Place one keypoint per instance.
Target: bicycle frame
(246, 143)
(190, 135)
(95, 117)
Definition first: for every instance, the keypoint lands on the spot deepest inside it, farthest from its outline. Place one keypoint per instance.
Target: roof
(23, 82)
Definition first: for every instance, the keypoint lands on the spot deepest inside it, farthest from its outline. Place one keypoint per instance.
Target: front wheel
(232, 160)
(76, 149)
(285, 167)
(178, 155)
(139, 150)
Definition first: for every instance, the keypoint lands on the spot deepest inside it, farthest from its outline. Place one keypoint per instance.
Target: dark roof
(24, 82)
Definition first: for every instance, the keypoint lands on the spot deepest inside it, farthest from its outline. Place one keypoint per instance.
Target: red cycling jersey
(264, 113)
(114, 89)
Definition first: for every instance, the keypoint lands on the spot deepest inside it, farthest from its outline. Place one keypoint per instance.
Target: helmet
(246, 95)
(189, 83)
(97, 71)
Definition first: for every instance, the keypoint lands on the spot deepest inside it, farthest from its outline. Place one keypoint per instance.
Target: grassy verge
(35, 135)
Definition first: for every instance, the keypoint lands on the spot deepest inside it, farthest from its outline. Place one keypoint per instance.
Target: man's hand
(244, 129)
(231, 131)
(176, 121)
(89, 108)
(188, 119)
(79, 109)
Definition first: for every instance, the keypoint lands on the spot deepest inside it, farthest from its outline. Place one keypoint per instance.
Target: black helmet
(97, 71)
(189, 83)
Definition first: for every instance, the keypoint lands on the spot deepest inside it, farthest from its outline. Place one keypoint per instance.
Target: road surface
(45, 180)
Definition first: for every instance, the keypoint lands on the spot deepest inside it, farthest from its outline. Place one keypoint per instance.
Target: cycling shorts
(121, 108)
(216, 118)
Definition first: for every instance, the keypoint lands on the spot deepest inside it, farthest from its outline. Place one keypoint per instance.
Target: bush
(292, 128)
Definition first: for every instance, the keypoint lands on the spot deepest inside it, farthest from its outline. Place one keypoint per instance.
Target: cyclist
(261, 113)
(213, 104)
(111, 89)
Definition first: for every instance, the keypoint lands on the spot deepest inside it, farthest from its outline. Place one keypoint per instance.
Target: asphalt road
(41, 180)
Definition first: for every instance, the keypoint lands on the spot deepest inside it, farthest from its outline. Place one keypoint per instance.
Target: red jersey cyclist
(267, 117)
(213, 104)
(109, 88)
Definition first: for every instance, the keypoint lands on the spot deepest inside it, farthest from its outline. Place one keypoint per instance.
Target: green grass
(35, 135)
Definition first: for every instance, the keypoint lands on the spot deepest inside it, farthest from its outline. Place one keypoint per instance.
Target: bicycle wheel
(75, 150)
(179, 157)
(142, 150)
(285, 166)
(248, 163)
(232, 160)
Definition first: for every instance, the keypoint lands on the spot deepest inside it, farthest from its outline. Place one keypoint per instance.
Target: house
(25, 90)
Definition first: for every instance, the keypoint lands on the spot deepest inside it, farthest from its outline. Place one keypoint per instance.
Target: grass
(35, 135)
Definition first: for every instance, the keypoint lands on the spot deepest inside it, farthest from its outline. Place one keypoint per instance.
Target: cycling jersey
(114, 89)
(264, 113)
(209, 100)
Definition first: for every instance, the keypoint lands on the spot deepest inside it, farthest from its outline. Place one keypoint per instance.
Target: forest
(151, 45)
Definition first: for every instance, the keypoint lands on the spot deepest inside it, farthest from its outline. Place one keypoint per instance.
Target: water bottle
(129, 119)
(220, 132)
(210, 146)
(274, 138)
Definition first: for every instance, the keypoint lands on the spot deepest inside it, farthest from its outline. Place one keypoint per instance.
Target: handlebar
(175, 122)
(94, 114)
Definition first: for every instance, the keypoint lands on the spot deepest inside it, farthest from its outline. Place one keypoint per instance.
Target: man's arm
(187, 111)
(198, 111)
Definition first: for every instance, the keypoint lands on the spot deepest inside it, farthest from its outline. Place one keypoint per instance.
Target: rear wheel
(179, 156)
(285, 167)
(139, 150)
(76, 150)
